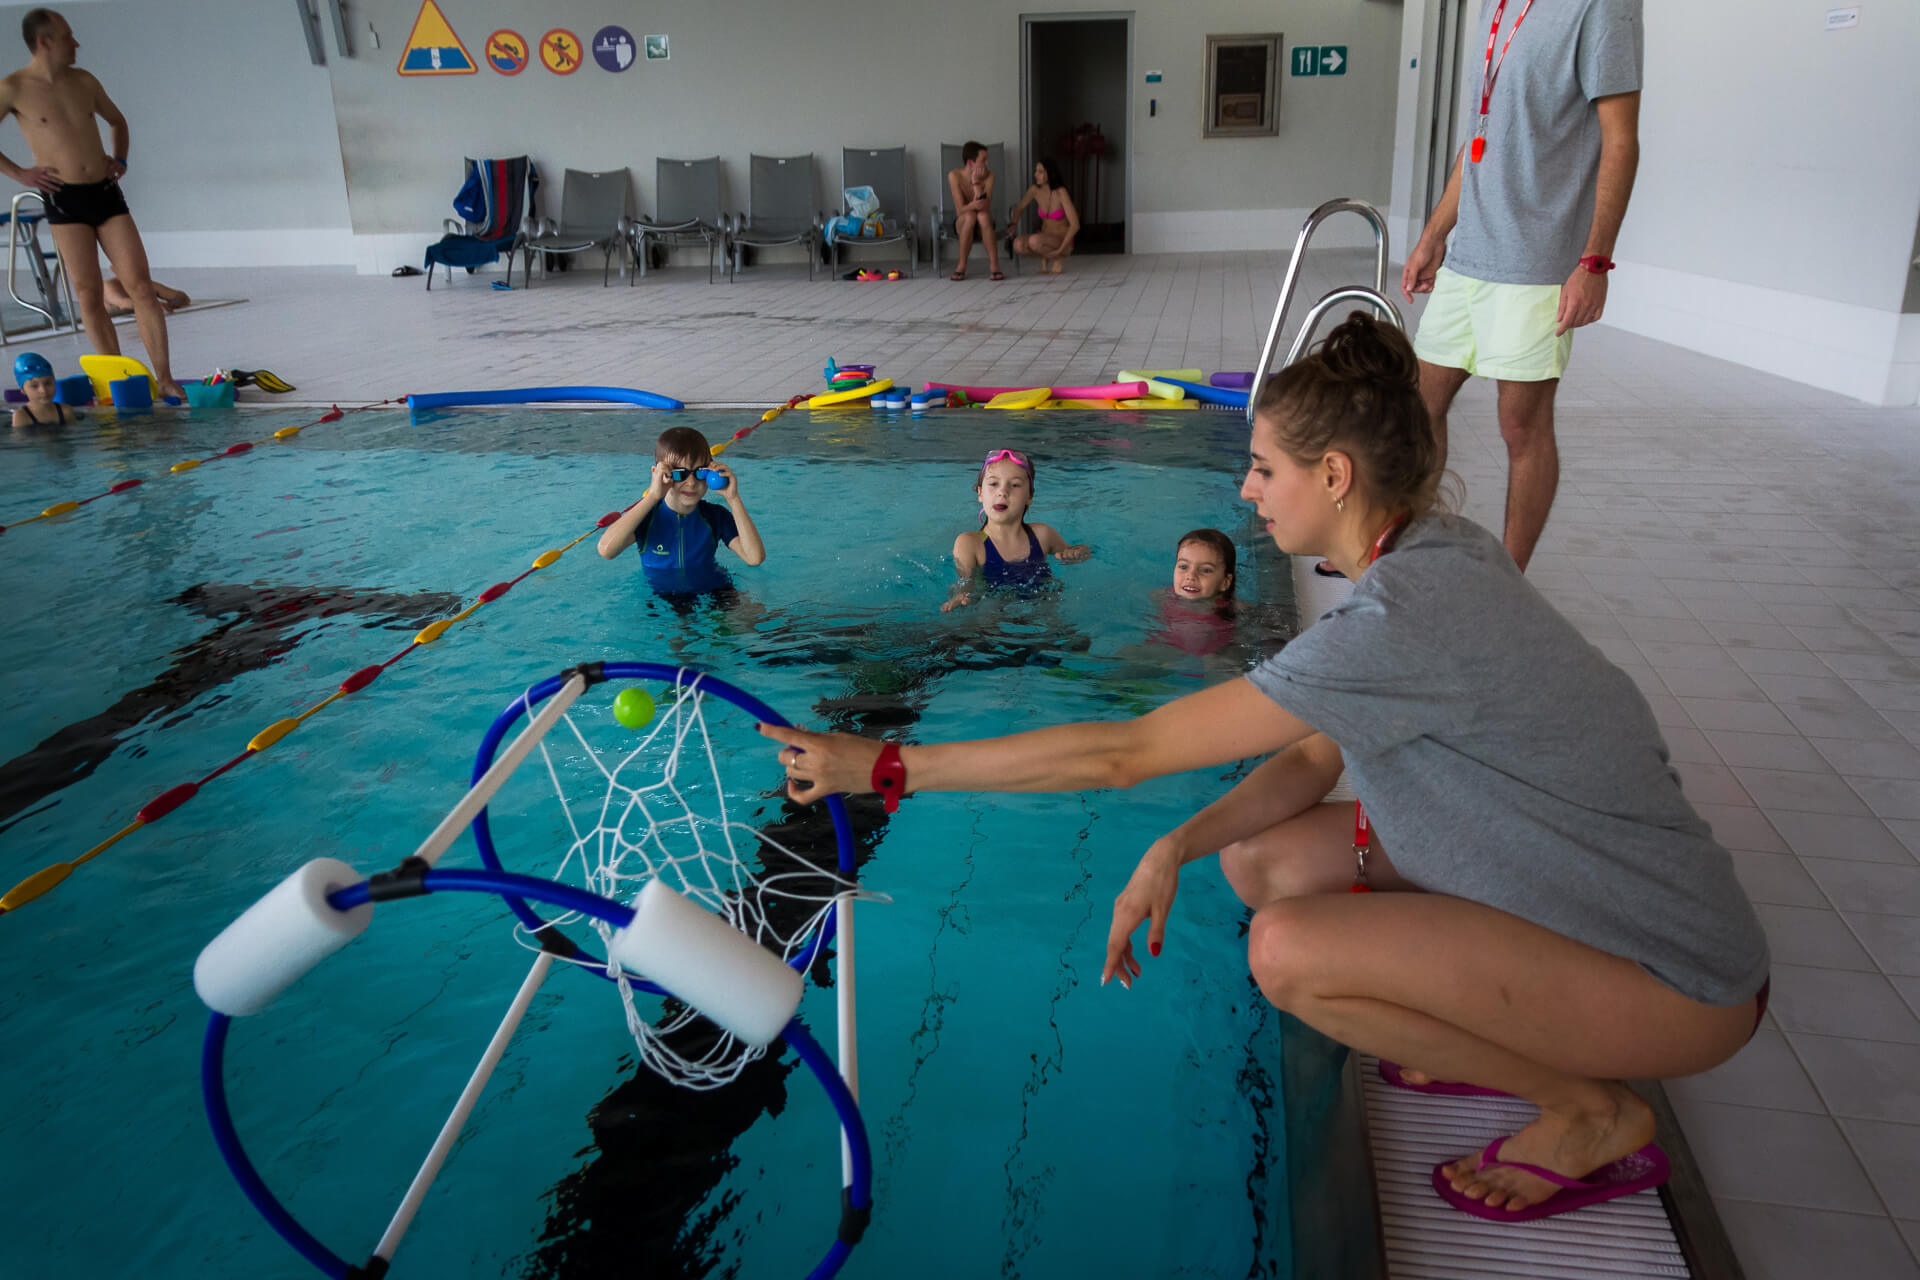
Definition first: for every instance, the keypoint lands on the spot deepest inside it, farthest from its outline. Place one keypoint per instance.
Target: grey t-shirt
(1526, 208)
(1503, 759)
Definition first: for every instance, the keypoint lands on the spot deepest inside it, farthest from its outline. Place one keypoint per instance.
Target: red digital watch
(889, 776)
(1598, 265)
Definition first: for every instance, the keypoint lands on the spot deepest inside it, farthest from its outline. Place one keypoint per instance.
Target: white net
(662, 809)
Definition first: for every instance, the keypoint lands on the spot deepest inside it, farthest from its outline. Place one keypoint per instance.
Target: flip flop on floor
(998, 275)
(958, 275)
(1393, 1074)
(1645, 1168)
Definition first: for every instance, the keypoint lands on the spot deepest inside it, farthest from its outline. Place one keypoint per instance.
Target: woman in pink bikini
(1059, 220)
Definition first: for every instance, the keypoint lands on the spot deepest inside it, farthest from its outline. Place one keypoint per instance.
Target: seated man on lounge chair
(971, 186)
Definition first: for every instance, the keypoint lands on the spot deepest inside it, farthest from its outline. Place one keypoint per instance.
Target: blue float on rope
(529, 395)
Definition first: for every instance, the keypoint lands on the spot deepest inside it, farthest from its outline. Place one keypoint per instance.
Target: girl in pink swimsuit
(1060, 220)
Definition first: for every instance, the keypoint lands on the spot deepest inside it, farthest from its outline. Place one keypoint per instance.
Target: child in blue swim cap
(34, 374)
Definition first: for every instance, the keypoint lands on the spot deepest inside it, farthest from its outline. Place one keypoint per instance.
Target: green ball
(633, 707)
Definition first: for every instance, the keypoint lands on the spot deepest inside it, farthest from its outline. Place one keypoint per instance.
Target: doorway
(1443, 140)
(1076, 109)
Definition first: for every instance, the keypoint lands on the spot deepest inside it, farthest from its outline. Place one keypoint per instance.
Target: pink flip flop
(1391, 1073)
(1645, 1168)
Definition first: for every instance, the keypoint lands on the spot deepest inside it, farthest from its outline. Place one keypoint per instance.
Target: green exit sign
(1320, 60)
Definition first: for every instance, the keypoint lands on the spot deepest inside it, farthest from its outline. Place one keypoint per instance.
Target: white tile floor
(1747, 548)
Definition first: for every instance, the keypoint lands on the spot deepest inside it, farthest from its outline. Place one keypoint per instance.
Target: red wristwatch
(1598, 265)
(889, 776)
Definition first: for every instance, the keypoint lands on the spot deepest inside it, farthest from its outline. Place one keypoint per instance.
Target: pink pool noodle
(1111, 391)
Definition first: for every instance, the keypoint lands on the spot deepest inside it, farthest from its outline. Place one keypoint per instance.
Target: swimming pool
(1019, 1114)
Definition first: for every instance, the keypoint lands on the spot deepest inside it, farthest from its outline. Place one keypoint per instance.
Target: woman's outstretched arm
(1227, 722)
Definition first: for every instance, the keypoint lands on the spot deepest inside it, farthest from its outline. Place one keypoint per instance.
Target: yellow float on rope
(61, 508)
(274, 732)
(288, 433)
(546, 558)
(188, 465)
(433, 631)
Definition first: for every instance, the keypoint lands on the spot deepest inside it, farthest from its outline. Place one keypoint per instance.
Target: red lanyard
(1490, 72)
(1361, 830)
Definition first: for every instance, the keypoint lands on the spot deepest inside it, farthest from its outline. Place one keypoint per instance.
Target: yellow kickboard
(848, 397)
(1150, 403)
(1141, 375)
(1032, 398)
(1157, 389)
(1078, 404)
(108, 369)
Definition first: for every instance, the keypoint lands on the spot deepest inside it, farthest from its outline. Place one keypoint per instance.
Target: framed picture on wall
(1243, 87)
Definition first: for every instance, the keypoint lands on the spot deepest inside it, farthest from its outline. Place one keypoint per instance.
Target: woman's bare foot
(1610, 1125)
(170, 390)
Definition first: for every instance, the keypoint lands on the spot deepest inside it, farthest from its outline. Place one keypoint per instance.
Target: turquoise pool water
(1025, 1122)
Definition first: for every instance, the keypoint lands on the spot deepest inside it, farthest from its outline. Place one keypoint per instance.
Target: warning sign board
(560, 51)
(433, 49)
(507, 52)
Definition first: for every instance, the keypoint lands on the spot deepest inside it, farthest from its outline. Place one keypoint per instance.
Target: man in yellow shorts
(1527, 227)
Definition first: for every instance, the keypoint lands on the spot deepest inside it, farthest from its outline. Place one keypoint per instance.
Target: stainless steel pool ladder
(44, 279)
(1375, 297)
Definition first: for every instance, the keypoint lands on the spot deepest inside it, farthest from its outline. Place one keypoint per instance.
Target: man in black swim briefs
(56, 104)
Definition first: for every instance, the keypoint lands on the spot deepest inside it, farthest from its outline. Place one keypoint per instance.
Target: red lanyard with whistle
(1490, 73)
(1362, 833)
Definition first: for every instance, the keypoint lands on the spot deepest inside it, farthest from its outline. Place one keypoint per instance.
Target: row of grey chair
(782, 209)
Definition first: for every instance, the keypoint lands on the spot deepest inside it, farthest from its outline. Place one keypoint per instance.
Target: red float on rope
(602, 523)
(495, 591)
(167, 801)
(123, 486)
(361, 678)
(242, 447)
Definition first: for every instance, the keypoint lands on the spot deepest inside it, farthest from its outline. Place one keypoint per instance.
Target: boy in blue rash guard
(677, 534)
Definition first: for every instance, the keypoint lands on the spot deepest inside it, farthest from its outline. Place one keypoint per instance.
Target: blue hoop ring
(515, 890)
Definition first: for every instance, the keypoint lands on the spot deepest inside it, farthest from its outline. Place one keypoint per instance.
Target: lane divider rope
(233, 450)
(173, 797)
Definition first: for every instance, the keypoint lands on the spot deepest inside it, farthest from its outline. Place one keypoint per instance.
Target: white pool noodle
(701, 959)
(278, 939)
(457, 1118)
(843, 997)
(482, 791)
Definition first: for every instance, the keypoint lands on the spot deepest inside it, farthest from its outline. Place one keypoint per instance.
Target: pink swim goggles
(1017, 458)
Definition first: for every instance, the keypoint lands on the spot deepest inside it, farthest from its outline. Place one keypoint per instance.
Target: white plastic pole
(843, 991)
(457, 1119)
(482, 791)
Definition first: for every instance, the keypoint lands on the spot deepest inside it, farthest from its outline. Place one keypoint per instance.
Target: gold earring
(1339, 504)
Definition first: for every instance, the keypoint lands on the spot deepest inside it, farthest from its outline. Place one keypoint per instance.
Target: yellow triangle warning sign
(433, 49)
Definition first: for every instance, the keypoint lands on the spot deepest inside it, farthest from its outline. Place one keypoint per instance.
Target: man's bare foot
(1573, 1143)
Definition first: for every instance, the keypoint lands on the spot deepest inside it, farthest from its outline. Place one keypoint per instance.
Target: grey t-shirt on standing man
(1526, 208)
(1504, 760)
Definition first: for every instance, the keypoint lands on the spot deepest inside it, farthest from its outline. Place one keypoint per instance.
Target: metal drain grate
(1412, 1132)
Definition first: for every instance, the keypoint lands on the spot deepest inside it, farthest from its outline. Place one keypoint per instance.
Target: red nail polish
(1153, 948)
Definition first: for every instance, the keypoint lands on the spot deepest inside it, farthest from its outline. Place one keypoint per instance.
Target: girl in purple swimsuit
(1006, 551)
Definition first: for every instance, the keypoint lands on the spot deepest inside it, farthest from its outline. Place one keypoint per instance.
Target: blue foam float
(530, 395)
(1209, 395)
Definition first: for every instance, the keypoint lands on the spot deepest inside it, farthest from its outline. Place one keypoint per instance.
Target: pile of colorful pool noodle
(849, 384)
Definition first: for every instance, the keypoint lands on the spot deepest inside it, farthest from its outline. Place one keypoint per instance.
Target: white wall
(790, 78)
(1773, 222)
(234, 158)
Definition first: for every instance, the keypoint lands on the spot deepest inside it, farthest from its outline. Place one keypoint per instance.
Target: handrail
(1346, 293)
(47, 289)
(1292, 279)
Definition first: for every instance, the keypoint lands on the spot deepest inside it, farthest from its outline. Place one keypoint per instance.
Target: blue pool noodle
(528, 395)
(1209, 395)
